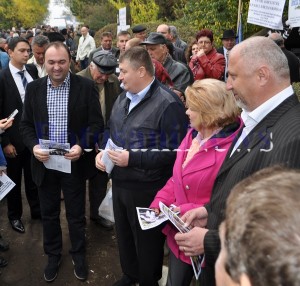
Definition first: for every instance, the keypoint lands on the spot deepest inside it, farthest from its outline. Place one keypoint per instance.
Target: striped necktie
(24, 80)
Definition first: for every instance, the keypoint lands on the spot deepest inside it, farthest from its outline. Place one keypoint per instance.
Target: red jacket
(211, 65)
(190, 187)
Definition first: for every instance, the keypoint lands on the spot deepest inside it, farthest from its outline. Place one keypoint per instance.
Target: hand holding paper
(40, 154)
(98, 161)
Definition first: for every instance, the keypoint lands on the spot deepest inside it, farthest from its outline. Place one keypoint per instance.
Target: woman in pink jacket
(214, 124)
(207, 62)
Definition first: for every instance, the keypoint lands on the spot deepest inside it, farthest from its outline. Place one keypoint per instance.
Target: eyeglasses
(204, 43)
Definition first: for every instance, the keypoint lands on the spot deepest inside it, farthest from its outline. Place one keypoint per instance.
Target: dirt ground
(27, 260)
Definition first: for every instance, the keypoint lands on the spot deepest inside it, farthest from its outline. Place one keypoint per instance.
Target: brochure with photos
(180, 225)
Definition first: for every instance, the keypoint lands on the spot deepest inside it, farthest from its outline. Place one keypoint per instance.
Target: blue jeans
(84, 63)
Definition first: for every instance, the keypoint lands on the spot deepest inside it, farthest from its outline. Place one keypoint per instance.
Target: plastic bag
(106, 208)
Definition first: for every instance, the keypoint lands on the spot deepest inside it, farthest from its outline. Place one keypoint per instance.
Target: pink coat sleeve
(165, 195)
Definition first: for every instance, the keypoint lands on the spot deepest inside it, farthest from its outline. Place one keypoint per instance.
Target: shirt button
(187, 187)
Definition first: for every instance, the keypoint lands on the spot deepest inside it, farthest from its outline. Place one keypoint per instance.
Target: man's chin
(241, 104)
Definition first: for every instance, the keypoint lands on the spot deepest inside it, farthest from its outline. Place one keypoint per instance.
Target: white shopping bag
(106, 208)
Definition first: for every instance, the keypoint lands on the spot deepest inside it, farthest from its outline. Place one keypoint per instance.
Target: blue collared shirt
(136, 98)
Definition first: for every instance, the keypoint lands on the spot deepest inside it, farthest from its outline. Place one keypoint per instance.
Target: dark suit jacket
(112, 90)
(220, 50)
(179, 55)
(10, 100)
(85, 121)
(275, 140)
(294, 65)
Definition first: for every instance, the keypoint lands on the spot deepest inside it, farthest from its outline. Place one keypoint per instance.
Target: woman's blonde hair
(214, 103)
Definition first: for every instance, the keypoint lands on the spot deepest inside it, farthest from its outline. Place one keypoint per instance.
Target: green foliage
(215, 15)
(141, 11)
(94, 13)
(296, 87)
(168, 9)
(25, 13)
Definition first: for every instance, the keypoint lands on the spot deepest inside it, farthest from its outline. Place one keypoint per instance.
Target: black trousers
(180, 273)
(73, 189)
(97, 191)
(141, 251)
(14, 198)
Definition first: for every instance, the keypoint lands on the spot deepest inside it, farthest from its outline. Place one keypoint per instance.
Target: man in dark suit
(101, 70)
(177, 53)
(64, 108)
(293, 61)
(13, 82)
(259, 78)
(228, 41)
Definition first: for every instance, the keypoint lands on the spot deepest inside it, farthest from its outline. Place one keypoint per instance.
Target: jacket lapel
(11, 83)
(73, 95)
(258, 134)
(41, 99)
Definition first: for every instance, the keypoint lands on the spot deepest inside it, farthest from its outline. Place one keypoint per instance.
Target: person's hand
(196, 217)
(74, 153)
(10, 151)
(4, 123)
(192, 242)
(200, 53)
(39, 154)
(98, 162)
(3, 171)
(157, 211)
(120, 158)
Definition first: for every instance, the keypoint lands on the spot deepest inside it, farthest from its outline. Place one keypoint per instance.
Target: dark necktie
(24, 80)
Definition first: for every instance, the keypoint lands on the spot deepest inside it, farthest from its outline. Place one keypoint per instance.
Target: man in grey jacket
(101, 70)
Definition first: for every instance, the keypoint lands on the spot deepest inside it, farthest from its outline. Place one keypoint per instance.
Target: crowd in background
(144, 94)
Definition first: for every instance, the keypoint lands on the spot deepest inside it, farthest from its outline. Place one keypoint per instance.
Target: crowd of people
(193, 124)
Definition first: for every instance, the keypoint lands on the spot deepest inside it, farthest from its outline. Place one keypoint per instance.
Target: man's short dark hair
(138, 57)
(40, 41)
(58, 45)
(14, 41)
(106, 34)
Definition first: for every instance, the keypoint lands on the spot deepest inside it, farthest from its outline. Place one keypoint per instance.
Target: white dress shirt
(251, 119)
(41, 69)
(18, 80)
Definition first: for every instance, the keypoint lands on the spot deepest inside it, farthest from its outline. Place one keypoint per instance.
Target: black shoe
(125, 281)
(51, 269)
(17, 225)
(3, 244)
(80, 269)
(3, 262)
(105, 223)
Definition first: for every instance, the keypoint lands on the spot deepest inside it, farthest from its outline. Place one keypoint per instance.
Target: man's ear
(263, 74)
(142, 71)
(244, 280)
